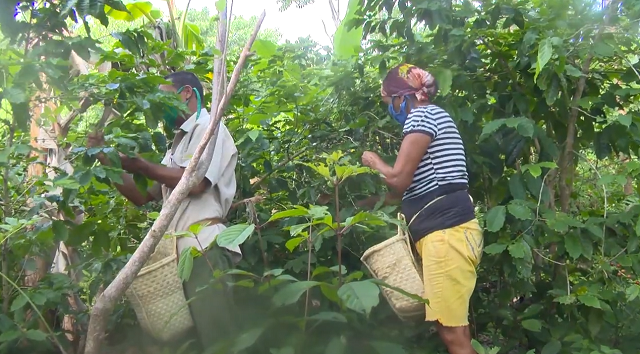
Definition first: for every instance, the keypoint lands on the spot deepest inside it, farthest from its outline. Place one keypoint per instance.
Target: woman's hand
(371, 159)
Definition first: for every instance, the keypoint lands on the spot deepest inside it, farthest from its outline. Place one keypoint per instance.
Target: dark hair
(185, 78)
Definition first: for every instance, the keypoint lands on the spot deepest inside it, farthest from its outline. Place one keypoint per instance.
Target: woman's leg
(449, 259)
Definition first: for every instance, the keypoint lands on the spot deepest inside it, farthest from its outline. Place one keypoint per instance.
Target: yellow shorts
(449, 261)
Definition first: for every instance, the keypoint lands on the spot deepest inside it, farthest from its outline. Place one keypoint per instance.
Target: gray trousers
(211, 299)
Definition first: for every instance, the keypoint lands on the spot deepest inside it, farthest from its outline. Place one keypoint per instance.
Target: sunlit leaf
(185, 264)
(235, 235)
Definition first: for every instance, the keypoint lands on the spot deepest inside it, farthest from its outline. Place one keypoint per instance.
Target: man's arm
(169, 176)
(128, 187)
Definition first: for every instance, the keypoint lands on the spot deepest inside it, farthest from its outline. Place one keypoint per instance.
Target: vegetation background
(546, 94)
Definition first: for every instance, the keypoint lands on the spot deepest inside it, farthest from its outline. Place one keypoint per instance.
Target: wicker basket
(392, 261)
(157, 295)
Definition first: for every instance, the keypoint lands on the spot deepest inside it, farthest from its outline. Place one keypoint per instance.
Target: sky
(292, 23)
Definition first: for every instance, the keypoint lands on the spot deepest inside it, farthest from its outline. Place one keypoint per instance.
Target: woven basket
(392, 261)
(157, 296)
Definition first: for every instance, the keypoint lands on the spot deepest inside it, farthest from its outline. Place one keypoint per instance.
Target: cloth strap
(410, 241)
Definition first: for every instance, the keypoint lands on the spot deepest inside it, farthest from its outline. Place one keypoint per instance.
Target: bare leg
(457, 339)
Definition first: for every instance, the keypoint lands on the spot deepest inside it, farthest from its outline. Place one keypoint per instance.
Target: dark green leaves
(545, 50)
(495, 218)
(290, 293)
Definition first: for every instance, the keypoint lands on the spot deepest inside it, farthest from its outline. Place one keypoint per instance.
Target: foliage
(546, 95)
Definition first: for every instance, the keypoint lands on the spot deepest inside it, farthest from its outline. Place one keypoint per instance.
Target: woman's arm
(400, 176)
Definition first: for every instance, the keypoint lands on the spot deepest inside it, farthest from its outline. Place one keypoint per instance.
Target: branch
(192, 175)
(566, 159)
(257, 182)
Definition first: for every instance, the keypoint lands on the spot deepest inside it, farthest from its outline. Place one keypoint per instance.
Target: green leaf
(573, 245)
(14, 95)
(632, 292)
(625, 119)
(572, 70)
(264, 48)
(360, 296)
(191, 38)
(235, 235)
(348, 43)
(221, 5)
(517, 187)
(479, 348)
(525, 128)
(290, 293)
(491, 127)
(495, 218)
(603, 49)
(553, 347)
(136, 10)
(60, 230)
(247, 339)
(329, 316)
(185, 264)
(516, 249)
(298, 211)
(294, 242)
(532, 325)
(545, 50)
(589, 300)
(387, 348)
(495, 248)
(520, 211)
(19, 302)
(444, 77)
(9, 336)
(34, 334)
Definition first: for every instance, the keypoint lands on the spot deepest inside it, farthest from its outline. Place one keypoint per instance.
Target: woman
(431, 175)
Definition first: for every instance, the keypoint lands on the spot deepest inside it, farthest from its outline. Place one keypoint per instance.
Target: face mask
(401, 115)
(171, 113)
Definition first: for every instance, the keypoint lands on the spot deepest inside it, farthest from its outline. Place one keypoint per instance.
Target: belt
(211, 221)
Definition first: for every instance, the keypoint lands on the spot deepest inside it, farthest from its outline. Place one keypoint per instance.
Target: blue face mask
(401, 115)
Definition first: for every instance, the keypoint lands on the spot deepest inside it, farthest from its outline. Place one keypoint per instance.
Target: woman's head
(407, 83)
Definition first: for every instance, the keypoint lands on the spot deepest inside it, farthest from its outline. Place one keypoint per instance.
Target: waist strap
(429, 204)
(211, 221)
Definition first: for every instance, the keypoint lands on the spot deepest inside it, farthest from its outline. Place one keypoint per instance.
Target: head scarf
(407, 79)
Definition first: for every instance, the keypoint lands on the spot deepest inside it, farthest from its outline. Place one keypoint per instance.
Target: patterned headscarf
(407, 79)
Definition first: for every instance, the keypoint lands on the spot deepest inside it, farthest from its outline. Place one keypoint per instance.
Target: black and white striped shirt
(445, 162)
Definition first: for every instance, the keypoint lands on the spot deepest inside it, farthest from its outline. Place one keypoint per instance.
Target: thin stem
(7, 212)
(309, 246)
(339, 230)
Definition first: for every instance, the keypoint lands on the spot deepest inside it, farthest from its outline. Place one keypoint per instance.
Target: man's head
(189, 88)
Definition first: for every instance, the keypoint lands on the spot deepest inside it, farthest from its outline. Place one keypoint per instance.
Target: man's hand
(129, 164)
(371, 159)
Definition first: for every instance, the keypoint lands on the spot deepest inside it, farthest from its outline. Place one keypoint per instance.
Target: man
(207, 203)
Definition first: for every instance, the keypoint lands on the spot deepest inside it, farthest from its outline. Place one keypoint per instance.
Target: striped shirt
(445, 162)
